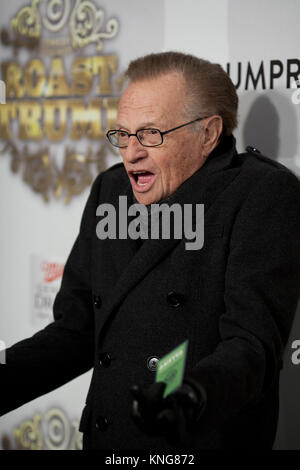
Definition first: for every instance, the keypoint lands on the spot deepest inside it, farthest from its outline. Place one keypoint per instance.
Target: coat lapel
(203, 187)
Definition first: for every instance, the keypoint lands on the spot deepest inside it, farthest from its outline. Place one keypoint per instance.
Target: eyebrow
(141, 126)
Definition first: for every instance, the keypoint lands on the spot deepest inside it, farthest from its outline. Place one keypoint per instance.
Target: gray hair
(209, 88)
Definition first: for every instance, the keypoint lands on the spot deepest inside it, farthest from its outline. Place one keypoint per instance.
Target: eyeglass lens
(145, 136)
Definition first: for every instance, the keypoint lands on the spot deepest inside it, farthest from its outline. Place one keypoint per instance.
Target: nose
(134, 151)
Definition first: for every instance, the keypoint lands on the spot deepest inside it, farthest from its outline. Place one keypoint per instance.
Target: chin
(145, 199)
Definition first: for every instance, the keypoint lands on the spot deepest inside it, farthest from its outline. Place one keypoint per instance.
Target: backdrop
(62, 62)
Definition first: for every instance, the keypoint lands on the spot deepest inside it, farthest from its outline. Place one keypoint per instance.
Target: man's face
(158, 103)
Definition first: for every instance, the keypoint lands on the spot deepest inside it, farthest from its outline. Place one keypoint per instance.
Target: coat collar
(202, 187)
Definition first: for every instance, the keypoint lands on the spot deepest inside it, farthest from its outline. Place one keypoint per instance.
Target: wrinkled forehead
(153, 99)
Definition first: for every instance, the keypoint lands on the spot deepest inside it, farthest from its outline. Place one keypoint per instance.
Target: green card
(170, 368)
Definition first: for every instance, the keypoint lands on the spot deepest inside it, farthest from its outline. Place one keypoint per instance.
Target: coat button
(97, 301)
(102, 423)
(174, 299)
(104, 359)
(152, 363)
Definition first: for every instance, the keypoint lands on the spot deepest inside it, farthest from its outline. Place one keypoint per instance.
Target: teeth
(141, 184)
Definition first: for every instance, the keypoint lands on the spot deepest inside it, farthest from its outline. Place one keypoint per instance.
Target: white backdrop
(226, 31)
(32, 227)
(232, 31)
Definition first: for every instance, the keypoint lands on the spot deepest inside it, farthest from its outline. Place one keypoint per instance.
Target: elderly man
(126, 301)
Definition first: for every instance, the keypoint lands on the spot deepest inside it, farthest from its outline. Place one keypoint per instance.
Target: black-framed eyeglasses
(148, 137)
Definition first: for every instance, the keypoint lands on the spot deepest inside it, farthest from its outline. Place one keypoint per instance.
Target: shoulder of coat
(260, 157)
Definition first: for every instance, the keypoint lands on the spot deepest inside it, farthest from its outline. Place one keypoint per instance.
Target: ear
(212, 131)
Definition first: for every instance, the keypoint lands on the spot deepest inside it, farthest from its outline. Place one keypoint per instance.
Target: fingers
(172, 416)
(148, 397)
(136, 392)
(147, 403)
(166, 418)
(172, 423)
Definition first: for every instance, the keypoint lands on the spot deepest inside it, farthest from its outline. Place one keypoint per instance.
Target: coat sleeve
(65, 348)
(262, 286)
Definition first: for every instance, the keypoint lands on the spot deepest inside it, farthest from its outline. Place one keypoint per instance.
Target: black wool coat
(121, 304)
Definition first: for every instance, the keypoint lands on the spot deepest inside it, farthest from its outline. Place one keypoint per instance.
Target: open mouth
(141, 180)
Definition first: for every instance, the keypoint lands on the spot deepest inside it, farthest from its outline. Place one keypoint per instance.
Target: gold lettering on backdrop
(37, 84)
(7, 113)
(34, 78)
(49, 118)
(82, 76)
(57, 84)
(11, 75)
(52, 431)
(111, 106)
(55, 119)
(86, 120)
(104, 66)
(30, 114)
(56, 98)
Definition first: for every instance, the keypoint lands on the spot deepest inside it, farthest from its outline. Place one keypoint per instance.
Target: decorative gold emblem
(37, 171)
(28, 21)
(28, 434)
(85, 23)
(44, 176)
(57, 14)
(52, 431)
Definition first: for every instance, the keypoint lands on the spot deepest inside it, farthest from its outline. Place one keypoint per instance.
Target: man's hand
(174, 417)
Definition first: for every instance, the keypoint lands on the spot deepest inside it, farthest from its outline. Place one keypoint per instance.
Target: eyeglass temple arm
(182, 125)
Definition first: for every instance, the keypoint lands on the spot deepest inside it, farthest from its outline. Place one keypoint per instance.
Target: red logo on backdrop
(52, 271)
